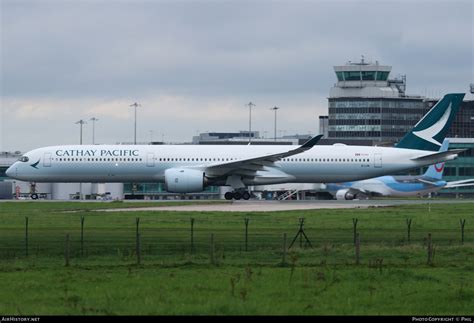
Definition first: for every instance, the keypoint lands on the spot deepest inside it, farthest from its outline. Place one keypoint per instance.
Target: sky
(194, 65)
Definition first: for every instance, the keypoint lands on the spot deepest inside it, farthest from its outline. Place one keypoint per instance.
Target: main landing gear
(237, 195)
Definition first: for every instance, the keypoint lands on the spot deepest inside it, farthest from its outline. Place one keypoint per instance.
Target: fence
(257, 240)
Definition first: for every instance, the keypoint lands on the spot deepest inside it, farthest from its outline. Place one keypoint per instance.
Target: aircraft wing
(249, 166)
(461, 183)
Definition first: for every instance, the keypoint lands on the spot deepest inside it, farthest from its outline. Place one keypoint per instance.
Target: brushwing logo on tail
(429, 133)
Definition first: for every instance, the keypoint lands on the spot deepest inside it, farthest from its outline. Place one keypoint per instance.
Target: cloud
(193, 65)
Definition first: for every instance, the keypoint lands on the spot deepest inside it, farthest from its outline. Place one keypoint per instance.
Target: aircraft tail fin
(431, 130)
(436, 171)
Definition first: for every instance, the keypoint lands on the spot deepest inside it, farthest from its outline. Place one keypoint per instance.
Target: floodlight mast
(250, 104)
(135, 127)
(93, 119)
(275, 108)
(81, 123)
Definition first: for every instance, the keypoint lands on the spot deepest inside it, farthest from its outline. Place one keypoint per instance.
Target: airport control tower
(366, 104)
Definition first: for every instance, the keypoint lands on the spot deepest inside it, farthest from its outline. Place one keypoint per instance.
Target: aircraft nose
(10, 172)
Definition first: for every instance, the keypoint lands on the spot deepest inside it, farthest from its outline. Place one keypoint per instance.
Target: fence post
(284, 249)
(82, 235)
(66, 251)
(137, 220)
(357, 249)
(26, 236)
(212, 250)
(192, 235)
(462, 222)
(354, 222)
(137, 251)
(430, 250)
(408, 229)
(246, 233)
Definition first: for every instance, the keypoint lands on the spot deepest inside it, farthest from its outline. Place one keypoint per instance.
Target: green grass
(393, 276)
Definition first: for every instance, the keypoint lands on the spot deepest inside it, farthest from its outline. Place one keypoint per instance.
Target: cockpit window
(24, 159)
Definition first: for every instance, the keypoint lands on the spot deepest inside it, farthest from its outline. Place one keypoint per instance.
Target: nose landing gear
(237, 195)
(33, 194)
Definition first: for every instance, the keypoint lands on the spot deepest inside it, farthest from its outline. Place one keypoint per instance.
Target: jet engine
(344, 194)
(183, 180)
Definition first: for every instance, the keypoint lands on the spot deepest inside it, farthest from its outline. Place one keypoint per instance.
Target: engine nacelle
(182, 180)
(344, 194)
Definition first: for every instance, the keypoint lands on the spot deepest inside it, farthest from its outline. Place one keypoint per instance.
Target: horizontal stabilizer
(440, 155)
(424, 181)
(460, 183)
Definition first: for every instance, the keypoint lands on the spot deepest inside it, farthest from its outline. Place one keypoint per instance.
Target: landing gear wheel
(229, 195)
(237, 195)
(246, 195)
(34, 196)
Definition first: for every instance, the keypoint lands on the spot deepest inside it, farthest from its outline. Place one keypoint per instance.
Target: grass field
(175, 277)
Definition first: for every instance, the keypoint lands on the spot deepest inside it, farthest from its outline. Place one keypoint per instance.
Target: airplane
(397, 186)
(190, 168)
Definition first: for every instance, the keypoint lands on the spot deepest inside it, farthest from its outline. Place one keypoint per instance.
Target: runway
(272, 206)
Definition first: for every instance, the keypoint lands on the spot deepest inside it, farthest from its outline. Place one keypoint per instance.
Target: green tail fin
(430, 131)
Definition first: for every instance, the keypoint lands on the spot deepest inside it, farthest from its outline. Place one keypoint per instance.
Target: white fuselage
(147, 163)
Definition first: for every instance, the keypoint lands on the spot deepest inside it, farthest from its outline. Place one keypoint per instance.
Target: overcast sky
(193, 65)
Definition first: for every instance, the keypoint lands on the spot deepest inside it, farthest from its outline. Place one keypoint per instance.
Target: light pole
(250, 119)
(81, 122)
(151, 136)
(93, 119)
(275, 108)
(135, 128)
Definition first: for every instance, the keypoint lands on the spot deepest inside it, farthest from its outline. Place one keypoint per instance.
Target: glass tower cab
(362, 74)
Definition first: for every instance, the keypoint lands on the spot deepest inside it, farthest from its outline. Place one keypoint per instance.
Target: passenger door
(47, 160)
(150, 160)
(378, 160)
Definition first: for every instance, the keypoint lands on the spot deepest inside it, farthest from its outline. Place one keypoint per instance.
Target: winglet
(311, 142)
